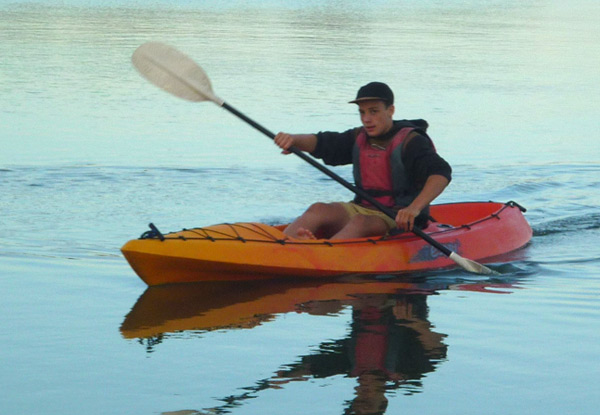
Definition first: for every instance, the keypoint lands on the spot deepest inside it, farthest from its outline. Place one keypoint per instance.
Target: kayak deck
(475, 230)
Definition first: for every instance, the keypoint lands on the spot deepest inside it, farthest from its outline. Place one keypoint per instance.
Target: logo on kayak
(430, 253)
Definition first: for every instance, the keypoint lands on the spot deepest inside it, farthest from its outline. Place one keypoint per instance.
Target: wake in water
(577, 223)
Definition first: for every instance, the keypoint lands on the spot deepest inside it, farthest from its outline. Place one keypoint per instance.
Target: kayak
(249, 250)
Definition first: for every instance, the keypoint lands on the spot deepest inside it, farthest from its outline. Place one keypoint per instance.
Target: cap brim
(356, 101)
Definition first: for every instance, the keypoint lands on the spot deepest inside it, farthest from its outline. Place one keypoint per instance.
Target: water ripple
(569, 224)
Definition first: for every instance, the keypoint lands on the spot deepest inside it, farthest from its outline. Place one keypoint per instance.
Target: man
(394, 161)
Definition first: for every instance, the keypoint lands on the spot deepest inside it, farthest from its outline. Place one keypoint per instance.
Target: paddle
(179, 75)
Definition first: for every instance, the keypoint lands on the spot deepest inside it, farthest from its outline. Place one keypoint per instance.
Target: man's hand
(284, 141)
(405, 219)
(303, 142)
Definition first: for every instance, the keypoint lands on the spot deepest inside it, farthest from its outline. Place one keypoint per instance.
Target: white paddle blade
(472, 266)
(173, 72)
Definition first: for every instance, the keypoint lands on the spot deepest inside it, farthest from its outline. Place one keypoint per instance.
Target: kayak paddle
(179, 75)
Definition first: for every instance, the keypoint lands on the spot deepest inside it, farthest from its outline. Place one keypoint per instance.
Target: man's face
(376, 117)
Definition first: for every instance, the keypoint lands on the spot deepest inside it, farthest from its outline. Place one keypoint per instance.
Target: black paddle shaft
(360, 192)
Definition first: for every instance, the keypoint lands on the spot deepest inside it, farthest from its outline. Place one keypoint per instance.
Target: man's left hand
(405, 219)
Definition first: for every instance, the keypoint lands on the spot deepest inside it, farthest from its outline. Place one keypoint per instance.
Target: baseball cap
(374, 90)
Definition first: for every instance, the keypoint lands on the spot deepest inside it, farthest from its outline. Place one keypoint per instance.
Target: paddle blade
(173, 72)
(471, 266)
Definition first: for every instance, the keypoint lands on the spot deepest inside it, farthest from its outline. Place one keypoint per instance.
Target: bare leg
(361, 226)
(327, 218)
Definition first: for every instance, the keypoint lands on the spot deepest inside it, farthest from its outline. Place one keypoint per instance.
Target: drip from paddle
(179, 75)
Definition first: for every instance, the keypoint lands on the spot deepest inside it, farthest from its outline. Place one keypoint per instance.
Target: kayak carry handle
(153, 233)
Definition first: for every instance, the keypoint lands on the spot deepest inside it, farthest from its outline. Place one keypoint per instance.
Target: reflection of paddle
(177, 74)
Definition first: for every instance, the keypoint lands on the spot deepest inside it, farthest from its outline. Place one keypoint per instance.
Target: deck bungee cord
(269, 236)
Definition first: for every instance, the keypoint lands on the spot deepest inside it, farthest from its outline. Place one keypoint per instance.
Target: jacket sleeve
(335, 148)
(421, 161)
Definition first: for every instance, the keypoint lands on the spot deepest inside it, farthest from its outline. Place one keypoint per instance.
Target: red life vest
(380, 171)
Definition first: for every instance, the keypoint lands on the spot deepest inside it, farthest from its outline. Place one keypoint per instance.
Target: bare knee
(328, 212)
(318, 208)
(322, 219)
(363, 226)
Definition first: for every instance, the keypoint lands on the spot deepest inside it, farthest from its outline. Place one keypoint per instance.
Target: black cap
(374, 90)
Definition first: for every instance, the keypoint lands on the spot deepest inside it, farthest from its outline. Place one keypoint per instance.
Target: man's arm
(303, 142)
(333, 148)
(434, 186)
(428, 171)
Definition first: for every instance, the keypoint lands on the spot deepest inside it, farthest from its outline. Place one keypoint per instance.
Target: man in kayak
(394, 161)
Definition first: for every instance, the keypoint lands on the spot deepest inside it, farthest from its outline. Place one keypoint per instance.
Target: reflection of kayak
(240, 304)
(476, 230)
(246, 304)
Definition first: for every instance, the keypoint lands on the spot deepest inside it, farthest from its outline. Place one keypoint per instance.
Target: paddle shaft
(389, 212)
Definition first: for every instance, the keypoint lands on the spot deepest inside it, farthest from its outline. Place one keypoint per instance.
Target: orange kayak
(475, 230)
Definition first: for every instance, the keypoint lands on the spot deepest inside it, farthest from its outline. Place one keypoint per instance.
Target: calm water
(90, 153)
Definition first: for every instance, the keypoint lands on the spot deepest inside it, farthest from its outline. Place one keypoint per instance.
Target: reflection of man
(391, 346)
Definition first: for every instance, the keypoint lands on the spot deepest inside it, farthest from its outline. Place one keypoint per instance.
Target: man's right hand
(284, 141)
